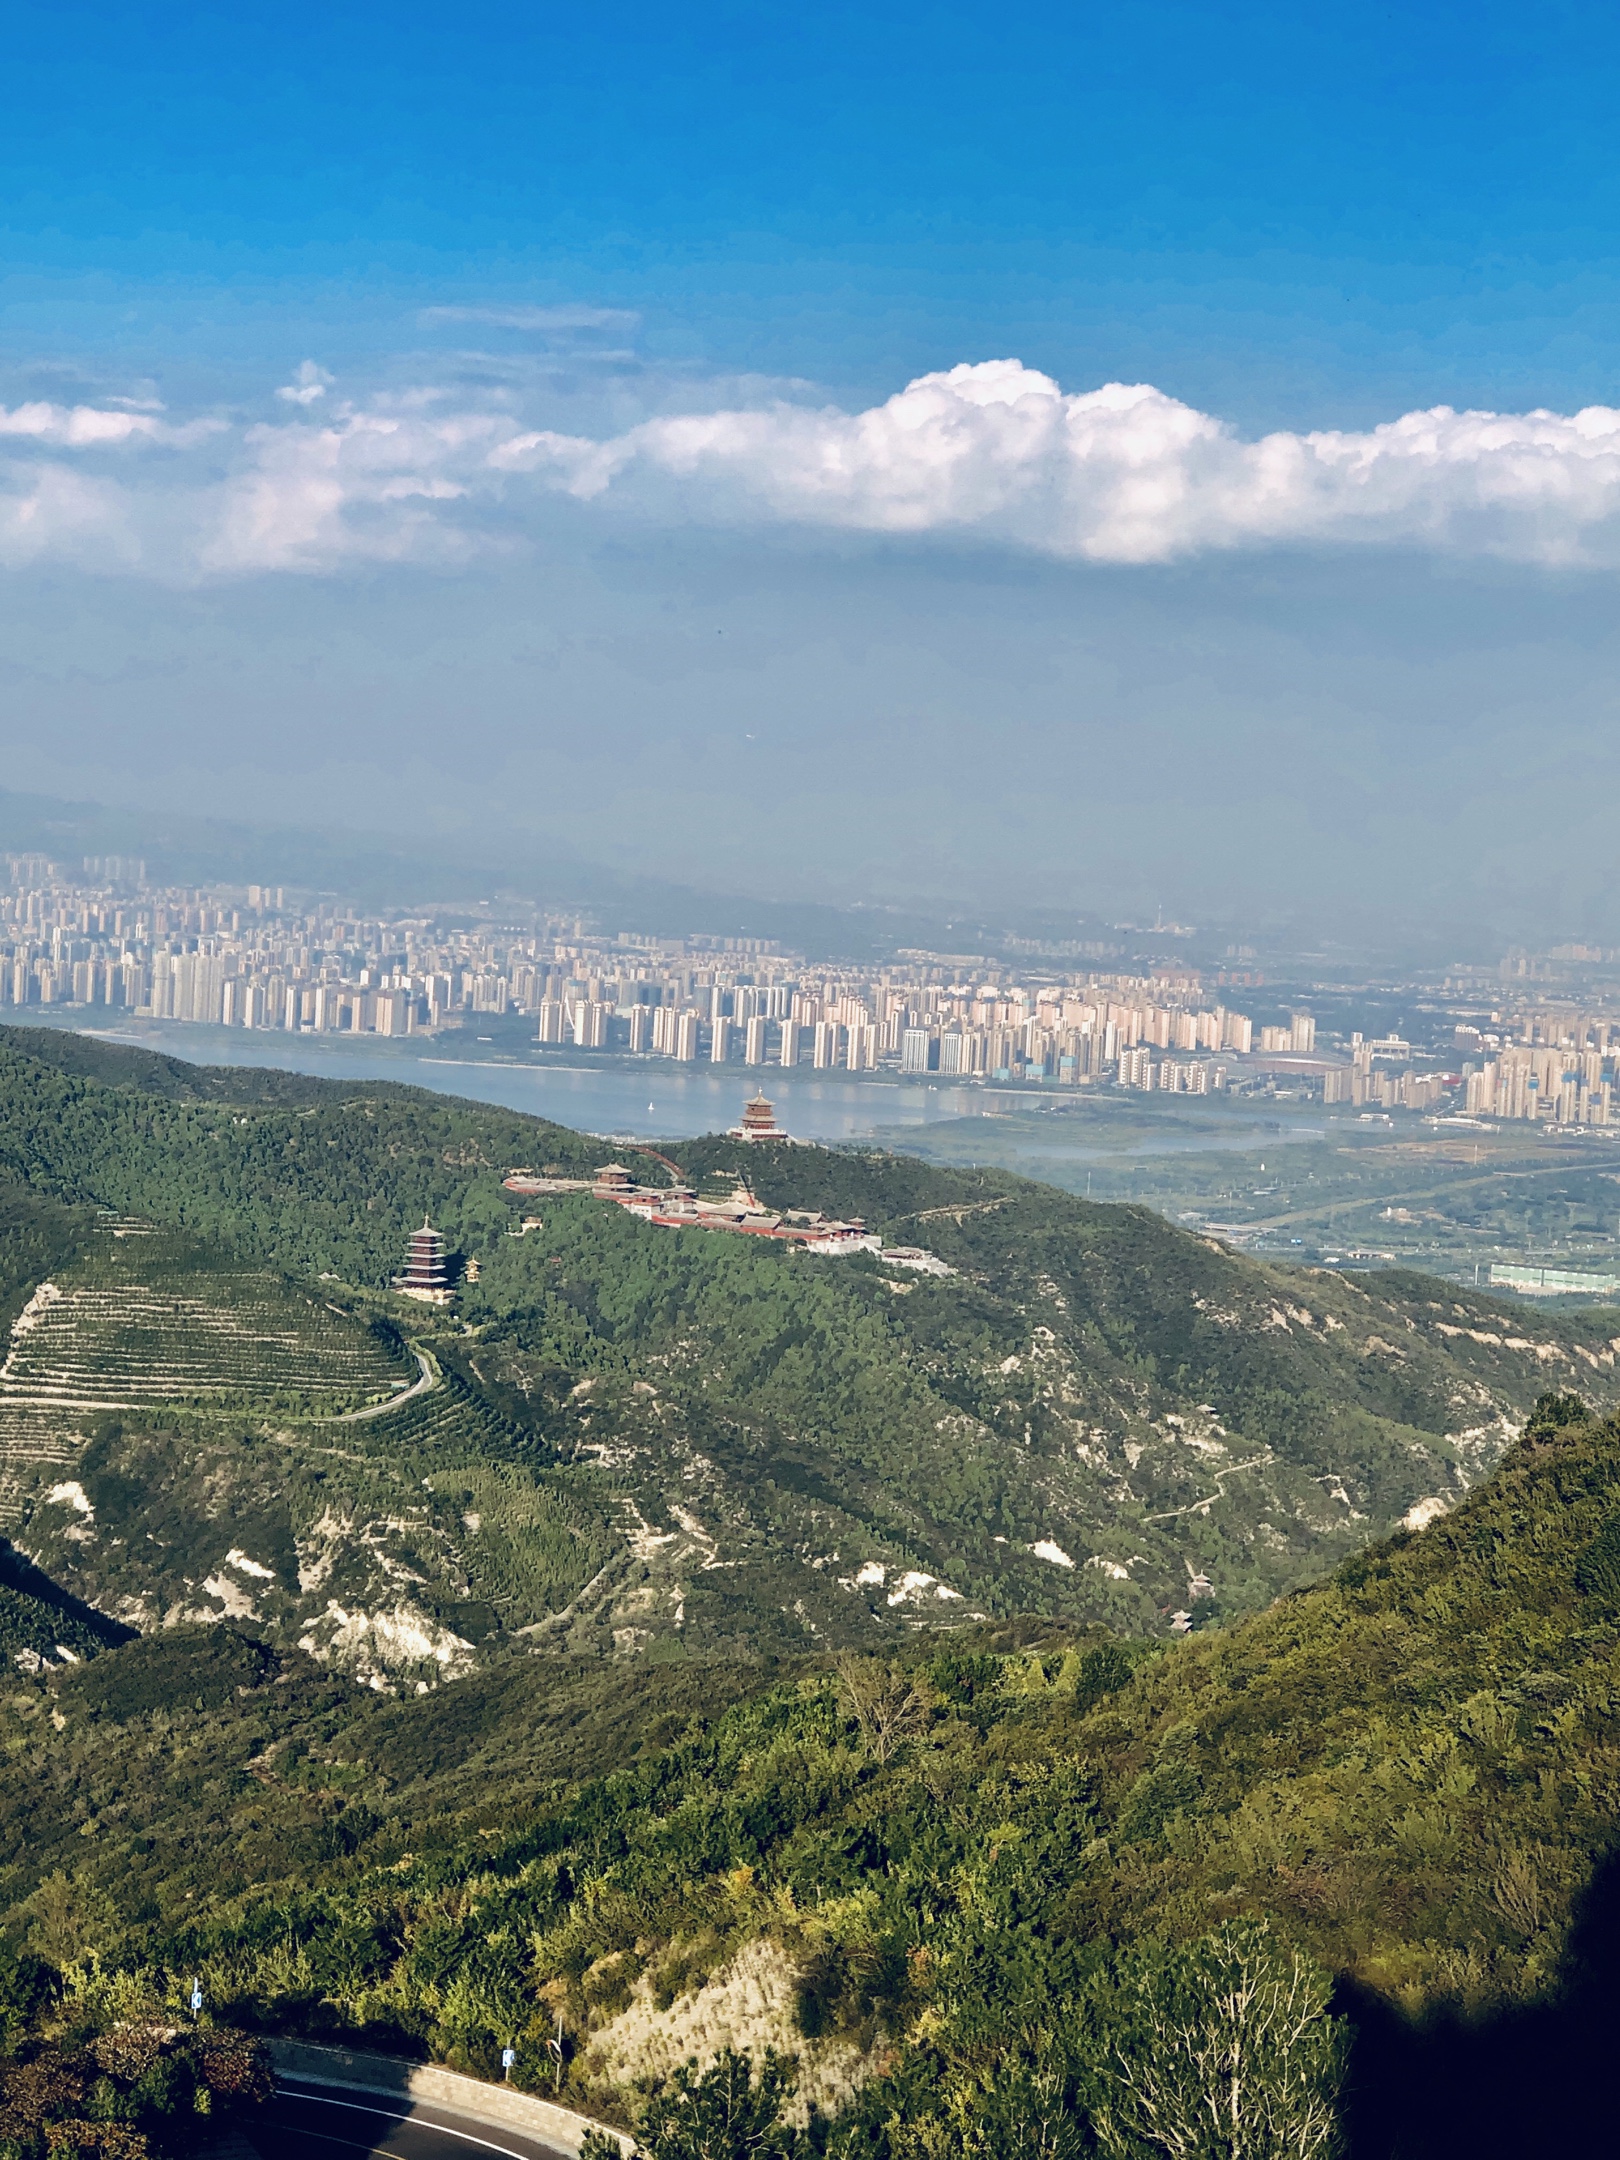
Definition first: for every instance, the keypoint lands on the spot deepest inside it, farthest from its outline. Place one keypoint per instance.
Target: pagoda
(427, 1268)
(758, 1122)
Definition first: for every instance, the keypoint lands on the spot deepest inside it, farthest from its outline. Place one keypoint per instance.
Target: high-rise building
(686, 1039)
(916, 1050)
(790, 1042)
(719, 1040)
(754, 1043)
(1303, 1033)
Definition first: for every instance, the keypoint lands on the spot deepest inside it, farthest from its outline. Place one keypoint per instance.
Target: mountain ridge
(640, 1440)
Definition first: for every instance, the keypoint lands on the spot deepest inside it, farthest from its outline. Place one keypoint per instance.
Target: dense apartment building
(102, 938)
(1561, 1085)
(241, 958)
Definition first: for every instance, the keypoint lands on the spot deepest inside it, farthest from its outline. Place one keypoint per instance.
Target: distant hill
(628, 1440)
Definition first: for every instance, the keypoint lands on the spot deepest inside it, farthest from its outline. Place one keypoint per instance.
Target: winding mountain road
(427, 1380)
(310, 2124)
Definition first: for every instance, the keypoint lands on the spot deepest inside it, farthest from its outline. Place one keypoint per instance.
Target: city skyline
(101, 938)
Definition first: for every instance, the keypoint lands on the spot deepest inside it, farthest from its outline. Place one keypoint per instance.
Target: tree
(884, 1702)
(723, 2113)
(1221, 2049)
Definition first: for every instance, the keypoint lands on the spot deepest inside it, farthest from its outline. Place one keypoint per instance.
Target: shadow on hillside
(18, 1572)
(1534, 2084)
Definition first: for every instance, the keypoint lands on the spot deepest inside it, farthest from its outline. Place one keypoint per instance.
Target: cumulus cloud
(310, 383)
(994, 453)
(370, 486)
(80, 427)
(51, 511)
(1121, 474)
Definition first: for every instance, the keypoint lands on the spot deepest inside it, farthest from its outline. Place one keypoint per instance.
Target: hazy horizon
(1157, 462)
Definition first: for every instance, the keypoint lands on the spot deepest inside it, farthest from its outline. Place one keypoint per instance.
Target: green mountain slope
(631, 1440)
(908, 1873)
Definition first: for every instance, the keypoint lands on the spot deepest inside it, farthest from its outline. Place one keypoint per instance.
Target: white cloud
(77, 427)
(309, 384)
(368, 486)
(995, 453)
(58, 513)
(1121, 474)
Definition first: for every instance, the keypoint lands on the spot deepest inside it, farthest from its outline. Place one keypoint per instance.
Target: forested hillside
(774, 1651)
(627, 1440)
(935, 1878)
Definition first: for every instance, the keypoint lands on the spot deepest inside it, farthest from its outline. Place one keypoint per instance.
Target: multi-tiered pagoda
(758, 1121)
(427, 1268)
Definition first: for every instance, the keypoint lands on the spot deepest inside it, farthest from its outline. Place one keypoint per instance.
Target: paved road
(428, 1379)
(330, 2126)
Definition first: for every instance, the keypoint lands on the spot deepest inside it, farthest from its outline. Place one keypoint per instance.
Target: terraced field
(35, 1439)
(449, 1424)
(183, 1438)
(140, 1322)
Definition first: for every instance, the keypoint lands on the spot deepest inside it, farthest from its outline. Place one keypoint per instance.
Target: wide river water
(659, 1100)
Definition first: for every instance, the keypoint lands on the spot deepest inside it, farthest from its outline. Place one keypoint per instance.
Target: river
(651, 1099)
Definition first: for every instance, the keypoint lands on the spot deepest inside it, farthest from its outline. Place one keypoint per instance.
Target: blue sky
(431, 417)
